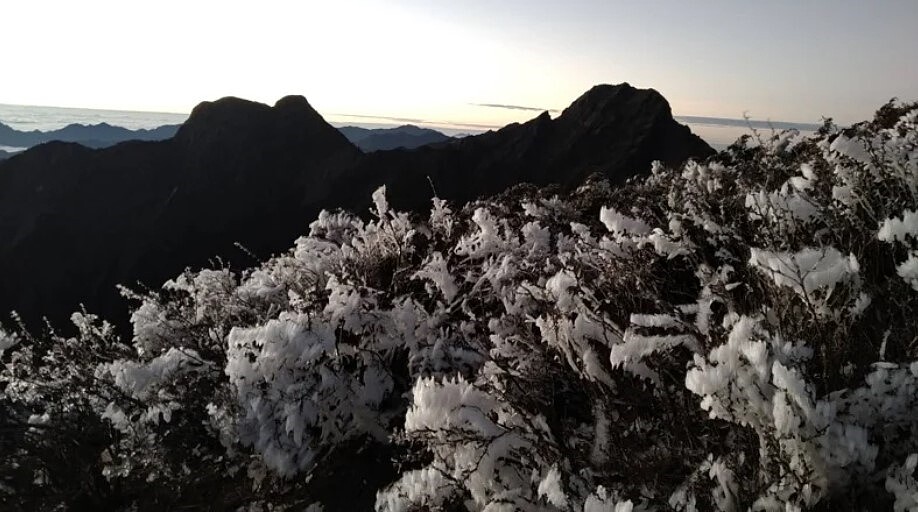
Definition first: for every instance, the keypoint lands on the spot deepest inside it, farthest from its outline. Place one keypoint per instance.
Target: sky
(443, 61)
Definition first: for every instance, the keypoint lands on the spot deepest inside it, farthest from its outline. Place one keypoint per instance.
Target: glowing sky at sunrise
(435, 60)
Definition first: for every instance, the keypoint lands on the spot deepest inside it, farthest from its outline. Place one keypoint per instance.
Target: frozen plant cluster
(735, 334)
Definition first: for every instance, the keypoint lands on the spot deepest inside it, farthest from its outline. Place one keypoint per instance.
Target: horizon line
(696, 119)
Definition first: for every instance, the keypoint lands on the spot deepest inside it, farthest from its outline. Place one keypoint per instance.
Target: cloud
(474, 126)
(516, 107)
(385, 118)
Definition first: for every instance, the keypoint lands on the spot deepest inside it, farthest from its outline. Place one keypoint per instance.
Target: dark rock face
(75, 222)
(379, 139)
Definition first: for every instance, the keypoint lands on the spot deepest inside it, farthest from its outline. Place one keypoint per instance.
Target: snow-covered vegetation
(736, 334)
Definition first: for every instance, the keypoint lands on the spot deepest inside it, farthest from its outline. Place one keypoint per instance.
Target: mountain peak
(605, 98)
(222, 104)
(294, 103)
(244, 121)
(221, 111)
(601, 91)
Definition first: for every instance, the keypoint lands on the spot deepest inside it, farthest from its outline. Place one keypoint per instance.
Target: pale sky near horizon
(435, 61)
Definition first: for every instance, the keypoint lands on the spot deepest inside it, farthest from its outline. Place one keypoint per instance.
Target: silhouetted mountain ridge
(615, 130)
(94, 135)
(75, 222)
(407, 136)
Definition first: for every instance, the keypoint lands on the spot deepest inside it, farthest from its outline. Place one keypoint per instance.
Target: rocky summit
(76, 222)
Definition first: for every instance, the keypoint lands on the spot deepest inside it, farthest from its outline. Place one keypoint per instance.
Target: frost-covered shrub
(735, 334)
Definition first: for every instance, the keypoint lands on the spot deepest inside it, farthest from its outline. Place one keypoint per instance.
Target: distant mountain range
(104, 135)
(75, 221)
(91, 136)
(367, 139)
(377, 139)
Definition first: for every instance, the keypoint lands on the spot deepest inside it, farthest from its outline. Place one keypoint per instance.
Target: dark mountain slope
(74, 222)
